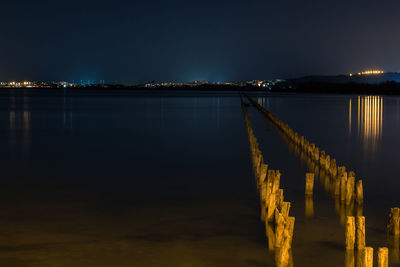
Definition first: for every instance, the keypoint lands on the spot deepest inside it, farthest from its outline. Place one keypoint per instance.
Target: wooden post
(350, 233)
(360, 232)
(290, 229)
(359, 192)
(327, 162)
(263, 172)
(271, 207)
(279, 199)
(279, 229)
(349, 258)
(316, 154)
(285, 209)
(276, 181)
(309, 184)
(394, 221)
(333, 167)
(282, 256)
(343, 184)
(368, 257)
(383, 254)
(341, 170)
(394, 248)
(350, 190)
(322, 158)
(269, 230)
(263, 192)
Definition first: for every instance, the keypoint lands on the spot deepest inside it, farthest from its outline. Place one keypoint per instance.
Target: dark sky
(137, 41)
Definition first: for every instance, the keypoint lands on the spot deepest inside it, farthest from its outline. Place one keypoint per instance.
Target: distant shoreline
(386, 88)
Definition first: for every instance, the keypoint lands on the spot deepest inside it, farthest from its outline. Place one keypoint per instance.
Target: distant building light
(369, 72)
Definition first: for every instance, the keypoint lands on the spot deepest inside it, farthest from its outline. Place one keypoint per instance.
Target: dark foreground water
(100, 178)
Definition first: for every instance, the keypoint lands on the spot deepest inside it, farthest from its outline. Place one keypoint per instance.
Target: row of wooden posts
(345, 188)
(279, 226)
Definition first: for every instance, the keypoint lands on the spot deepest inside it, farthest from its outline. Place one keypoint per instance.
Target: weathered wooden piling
(309, 183)
(316, 154)
(359, 192)
(350, 189)
(279, 229)
(394, 248)
(282, 256)
(333, 167)
(341, 170)
(269, 230)
(285, 209)
(327, 162)
(322, 158)
(343, 184)
(368, 257)
(263, 172)
(279, 199)
(289, 229)
(349, 258)
(360, 225)
(350, 233)
(394, 221)
(271, 205)
(383, 257)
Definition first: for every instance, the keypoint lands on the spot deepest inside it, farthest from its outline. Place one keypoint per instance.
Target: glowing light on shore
(368, 72)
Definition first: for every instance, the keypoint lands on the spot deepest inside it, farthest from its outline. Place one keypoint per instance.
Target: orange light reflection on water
(369, 119)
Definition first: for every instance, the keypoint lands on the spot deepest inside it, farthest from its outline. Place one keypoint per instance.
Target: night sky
(139, 41)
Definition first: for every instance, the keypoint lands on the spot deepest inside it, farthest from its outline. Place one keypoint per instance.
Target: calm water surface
(101, 178)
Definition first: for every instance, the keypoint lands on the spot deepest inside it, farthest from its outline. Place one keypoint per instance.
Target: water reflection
(369, 119)
(309, 206)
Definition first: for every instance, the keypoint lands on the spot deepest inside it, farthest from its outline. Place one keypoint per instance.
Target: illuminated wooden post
(360, 223)
(316, 154)
(341, 170)
(279, 229)
(333, 167)
(350, 233)
(394, 221)
(327, 162)
(359, 192)
(309, 184)
(349, 258)
(263, 172)
(350, 189)
(322, 158)
(263, 192)
(279, 199)
(368, 257)
(285, 209)
(270, 235)
(383, 257)
(283, 254)
(290, 229)
(271, 207)
(343, 184)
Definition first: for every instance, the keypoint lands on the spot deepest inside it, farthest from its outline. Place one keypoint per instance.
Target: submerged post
(383, 260)
(350, 189)
(368, 257)
(343, 185)
(359, 192)
(350, 232)
(360, 232)
(394, 221)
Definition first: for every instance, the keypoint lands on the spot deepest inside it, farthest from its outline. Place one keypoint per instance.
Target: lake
(134, 178)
